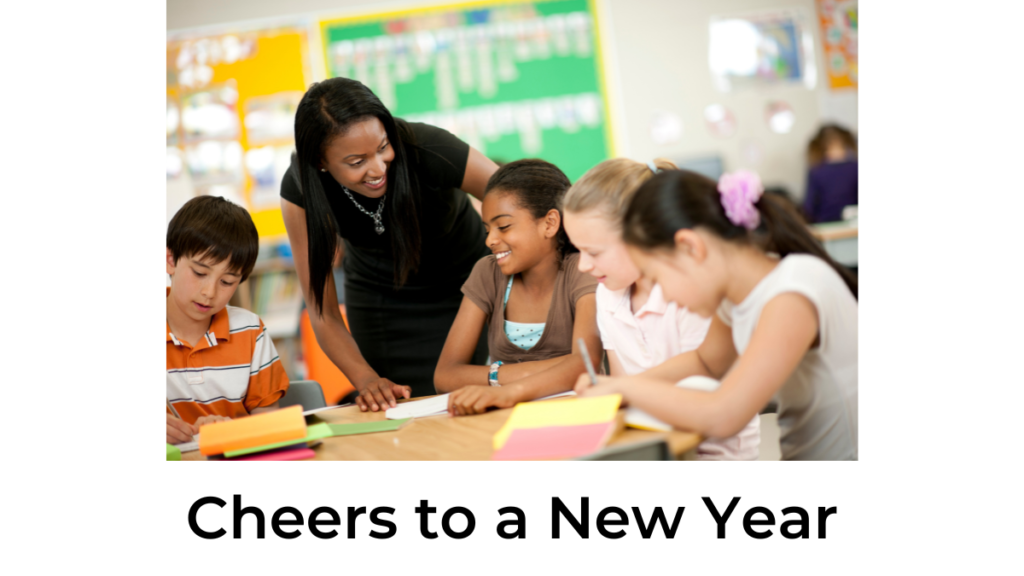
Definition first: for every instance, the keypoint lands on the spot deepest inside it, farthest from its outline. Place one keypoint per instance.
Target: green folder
(367, 427)
(173, 453)
(325, 430)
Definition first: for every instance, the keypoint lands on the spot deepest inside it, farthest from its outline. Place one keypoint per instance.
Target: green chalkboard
(514, 79)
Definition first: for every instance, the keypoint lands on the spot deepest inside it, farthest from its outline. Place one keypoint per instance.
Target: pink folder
(278, 455)
(555, 442)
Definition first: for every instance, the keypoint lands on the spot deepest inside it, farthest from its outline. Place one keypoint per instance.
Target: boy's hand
(210, 420)
(178, 431)
(381, 394)
(477, 399)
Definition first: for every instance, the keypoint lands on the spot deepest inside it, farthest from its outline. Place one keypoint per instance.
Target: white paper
(435, 406)
(637, 418)
(559, 395)
(315, 410)
(419, 408)
(189, 446)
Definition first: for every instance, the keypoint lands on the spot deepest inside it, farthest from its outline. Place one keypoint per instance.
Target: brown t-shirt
(486, 288)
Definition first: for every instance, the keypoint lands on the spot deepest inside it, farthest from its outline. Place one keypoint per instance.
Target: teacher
(393, 191)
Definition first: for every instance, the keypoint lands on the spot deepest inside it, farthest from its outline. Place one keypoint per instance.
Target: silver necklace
(378, 226)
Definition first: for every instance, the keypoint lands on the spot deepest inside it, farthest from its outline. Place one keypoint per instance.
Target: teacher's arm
(332, 335)
(479, 169)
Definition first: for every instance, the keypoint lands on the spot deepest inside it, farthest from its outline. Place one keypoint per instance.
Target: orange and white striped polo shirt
(232, 370)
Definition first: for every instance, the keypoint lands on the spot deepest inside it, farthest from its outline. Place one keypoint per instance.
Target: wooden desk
(445, 438)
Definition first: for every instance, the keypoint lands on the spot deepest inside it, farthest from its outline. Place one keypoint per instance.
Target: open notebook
(436, 405)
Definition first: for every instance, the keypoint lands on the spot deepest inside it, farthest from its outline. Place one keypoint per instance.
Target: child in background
(639, 329)
(785, 315)
(832, 180)
(530, 294)
(220, 362)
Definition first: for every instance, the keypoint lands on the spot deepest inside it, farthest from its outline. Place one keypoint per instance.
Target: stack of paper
(251, 431)
(567, 428)
(419, 408)
(437, 405)
(637, 418)
(250, 444)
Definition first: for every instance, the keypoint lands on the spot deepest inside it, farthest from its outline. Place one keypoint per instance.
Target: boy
(221, 364)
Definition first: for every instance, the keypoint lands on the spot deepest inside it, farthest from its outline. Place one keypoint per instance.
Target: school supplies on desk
(324, 408)
(587, 362)
(313, 433)
(251, 431)
(300, 453)
(173, 453)
(567, 412)
(637, 418)
(556, 442)
(317, 432)
(419, 408)
(368, 427)
(189, 446)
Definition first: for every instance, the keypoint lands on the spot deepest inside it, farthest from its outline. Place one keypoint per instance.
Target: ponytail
(676, 199)
(786, 233)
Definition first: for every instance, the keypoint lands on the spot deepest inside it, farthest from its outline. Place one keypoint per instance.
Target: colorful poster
(514, 79)
(759, 49)
(838, 21)
(231, 100)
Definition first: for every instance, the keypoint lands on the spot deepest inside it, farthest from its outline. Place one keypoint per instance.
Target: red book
(555, 442)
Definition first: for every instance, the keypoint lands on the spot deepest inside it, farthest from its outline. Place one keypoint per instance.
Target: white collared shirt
(657, 332)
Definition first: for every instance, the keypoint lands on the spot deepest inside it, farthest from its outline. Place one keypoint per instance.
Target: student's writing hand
(583, 384)
(605, 385)
(179, 431)
(210, 420)
(381, 394)
(477, 399)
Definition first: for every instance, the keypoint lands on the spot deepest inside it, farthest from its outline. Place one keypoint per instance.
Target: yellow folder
(568, 412)
(257, 430)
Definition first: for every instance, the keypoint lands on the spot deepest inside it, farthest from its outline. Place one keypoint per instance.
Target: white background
(937, 488)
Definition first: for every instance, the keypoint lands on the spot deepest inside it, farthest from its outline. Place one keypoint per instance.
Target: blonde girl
(639, 328)
(784, 315)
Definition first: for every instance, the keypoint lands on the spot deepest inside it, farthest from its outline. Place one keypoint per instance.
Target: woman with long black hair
(391, 190)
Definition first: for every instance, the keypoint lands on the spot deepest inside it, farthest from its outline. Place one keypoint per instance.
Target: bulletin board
(838, 21)
(513, 79)
(231, 101)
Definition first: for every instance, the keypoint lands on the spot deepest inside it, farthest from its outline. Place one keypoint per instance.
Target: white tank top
(818, 403)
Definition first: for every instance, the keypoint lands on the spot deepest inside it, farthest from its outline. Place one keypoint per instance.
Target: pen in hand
(587, 362)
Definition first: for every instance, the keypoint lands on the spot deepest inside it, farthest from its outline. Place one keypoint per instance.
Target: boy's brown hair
(211, 227)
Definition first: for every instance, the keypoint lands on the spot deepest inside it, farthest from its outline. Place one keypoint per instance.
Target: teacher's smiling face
(359, 158)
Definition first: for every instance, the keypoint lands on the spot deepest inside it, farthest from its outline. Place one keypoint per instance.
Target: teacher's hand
(381, 394)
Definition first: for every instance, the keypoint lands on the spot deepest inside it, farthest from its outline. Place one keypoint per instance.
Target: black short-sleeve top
(452, 232)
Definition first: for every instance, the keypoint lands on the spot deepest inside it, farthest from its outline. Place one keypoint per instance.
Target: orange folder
(251, 431)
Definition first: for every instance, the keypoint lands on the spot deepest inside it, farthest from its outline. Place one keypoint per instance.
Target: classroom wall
(658, 50)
